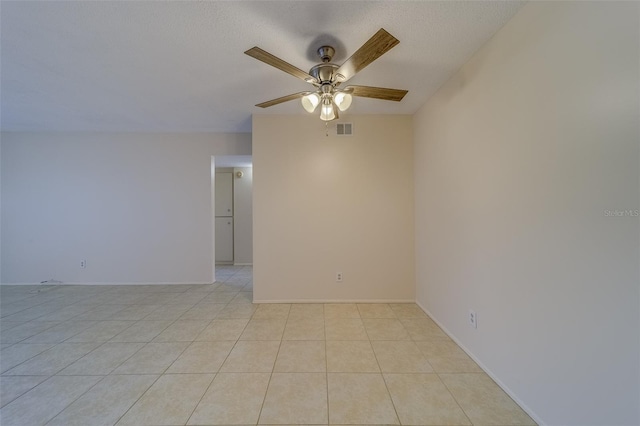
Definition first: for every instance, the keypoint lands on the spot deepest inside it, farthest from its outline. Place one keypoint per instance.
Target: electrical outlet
(83, 264)
(473, 318)
(338, 277)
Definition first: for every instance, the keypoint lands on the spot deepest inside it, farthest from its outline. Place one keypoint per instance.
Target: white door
(224, 217)
(224, 239)
(224, 194)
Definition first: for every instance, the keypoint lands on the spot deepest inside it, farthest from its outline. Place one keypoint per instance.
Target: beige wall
(517, 160)
(136, 206)
(332, 204)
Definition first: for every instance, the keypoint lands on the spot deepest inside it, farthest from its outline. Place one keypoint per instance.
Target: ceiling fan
(327, 77)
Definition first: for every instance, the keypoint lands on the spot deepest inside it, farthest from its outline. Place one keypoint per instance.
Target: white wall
(517, 158)
(137, 207)
(243, 216)
(328, 204)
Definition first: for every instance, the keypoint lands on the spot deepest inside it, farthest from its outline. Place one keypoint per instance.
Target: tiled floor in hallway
(205, 355)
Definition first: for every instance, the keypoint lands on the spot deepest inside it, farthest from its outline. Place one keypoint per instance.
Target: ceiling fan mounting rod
(326, 53)
(325, 71)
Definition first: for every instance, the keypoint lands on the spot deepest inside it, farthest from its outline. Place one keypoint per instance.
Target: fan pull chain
(326, 127)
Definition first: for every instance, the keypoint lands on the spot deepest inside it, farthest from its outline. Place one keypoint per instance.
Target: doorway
(232, 207)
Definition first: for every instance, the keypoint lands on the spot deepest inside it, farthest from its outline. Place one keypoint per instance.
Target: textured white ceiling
(179, 66)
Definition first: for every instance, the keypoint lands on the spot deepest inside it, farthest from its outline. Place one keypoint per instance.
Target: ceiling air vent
(344, 129)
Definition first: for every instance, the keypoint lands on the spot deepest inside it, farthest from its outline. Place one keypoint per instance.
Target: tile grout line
(217, 372)
(79, 396)
(17, 365)
(156, 380)
(382, 374)
(55, 344)
(273, 366)
(26, 338)
(18, 396)
(326, 362)
(169, 366)
(138, 399)
(203, 394)
(455, 399)
(160, 375)
(440, 379)
(60, 297)
(142, 347)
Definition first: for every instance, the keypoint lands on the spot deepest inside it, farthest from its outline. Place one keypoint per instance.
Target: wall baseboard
(113, 283)
(243, 264)
(336, 301)
(504, 387)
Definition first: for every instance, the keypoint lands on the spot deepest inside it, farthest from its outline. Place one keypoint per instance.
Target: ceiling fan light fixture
(310, 102)
(327, 113)
(342, 100)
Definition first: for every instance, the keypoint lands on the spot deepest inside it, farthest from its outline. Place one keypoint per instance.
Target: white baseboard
(335, 301)
(113, 283)
(243, 264)
(504, 387)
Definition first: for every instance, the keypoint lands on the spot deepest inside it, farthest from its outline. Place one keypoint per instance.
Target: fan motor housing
(324, 72)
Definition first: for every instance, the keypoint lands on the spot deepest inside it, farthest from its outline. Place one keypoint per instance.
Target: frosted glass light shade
(342, 100)
(310, 102)
(326, 112)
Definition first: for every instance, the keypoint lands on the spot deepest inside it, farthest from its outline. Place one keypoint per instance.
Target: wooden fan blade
(282, 99)
(377, 92)
(274, 61)
(375, 47)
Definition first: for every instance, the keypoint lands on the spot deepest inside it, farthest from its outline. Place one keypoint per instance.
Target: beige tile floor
(205, 355)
